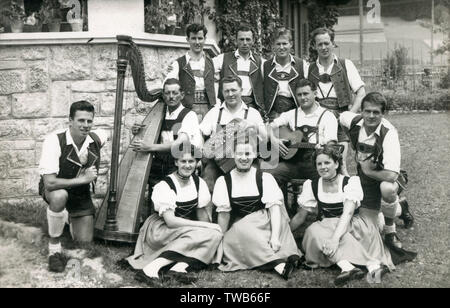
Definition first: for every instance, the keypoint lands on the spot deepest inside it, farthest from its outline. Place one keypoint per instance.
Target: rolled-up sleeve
(354, 78)
(164, 198)
(328, 127)
(204, 196)
(220, 196)
(51, 151)
(306, 199)
(353, 191)
(191, 128)
(346, 118)
(391, 151)
(272, 194)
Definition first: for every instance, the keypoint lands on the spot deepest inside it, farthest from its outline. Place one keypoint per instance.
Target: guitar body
(294, 142)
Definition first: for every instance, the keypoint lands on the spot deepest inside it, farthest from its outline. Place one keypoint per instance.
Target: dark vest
(70, 165)
(271, 83)
(229, 68)
(187, 81)
(242, 206)
(168, 125)
(339, 80)
(186, 209)
(329, 210)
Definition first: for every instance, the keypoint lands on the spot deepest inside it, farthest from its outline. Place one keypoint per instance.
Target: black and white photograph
(224, 149)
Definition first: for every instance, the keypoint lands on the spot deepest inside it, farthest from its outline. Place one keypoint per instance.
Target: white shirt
(195, 66)
(352, 192)
(51, 150)
(209, 123)
(283, 86)
(391, 143)
(353, 76)
(189, 126)
(327, 127)
(164, 198)
(244, 185)
(242, 65)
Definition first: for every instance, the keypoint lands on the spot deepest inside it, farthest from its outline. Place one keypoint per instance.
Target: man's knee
(57, 199)
(389, 191)
(83, 228)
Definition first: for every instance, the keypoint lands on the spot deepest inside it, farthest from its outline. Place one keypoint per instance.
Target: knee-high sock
(390, 209)
(56, 222)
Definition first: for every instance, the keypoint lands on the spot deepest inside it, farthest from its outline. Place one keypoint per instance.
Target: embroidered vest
(185, 209)
(168, 125)
(229, 68)
(187, 81)
(271, 83)
(339, 79)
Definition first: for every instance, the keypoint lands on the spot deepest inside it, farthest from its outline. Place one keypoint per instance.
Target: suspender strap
(245, 114)
(296, 116)
(259, 183)
(315, 186)
(318, 123)
(229, 184)
(219, 118)
(172, 186)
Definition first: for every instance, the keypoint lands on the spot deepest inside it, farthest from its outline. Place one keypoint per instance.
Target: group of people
(238, 220)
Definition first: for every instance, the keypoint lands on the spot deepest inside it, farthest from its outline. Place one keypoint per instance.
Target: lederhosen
(340, 83)
(242, 206)
(164, 163)
(328, 210)
(185, 209)
(371, 187)
(79, 202)
(275, 103)
(229, 67)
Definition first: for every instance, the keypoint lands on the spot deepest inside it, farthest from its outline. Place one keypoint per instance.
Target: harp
(119, 215)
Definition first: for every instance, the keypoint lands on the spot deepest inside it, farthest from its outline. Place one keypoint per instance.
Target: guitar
(294, 142)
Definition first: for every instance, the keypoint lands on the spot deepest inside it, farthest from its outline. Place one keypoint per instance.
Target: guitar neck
(303, 145)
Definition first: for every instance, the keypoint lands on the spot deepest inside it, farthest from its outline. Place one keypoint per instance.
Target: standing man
(180, 126)
(377, 147)
(280, 75)
(69, 164)
(318, 125)
(195, 70)
(217, 118)
(247, 66)
(337, 80)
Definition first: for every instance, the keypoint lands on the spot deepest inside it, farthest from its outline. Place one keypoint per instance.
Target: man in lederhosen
(247, 66)
(180, 126)
(280, 74)
(340, 87)
(69, 164)
(195, 70)
(377, 147)
(318, 125)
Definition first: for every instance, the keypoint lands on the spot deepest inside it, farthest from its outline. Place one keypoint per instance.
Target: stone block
(93, 98)
(104, 64)
(71, 62)
(152, 63)
(17, 145)
(37, 153)
(5, 107)
(38, 79)
(60, 99)
(30, 105)
(16, 129)
(35, 53)
(167, 56)
(88, 86)
(11, 188)
(43, 127)
(101, 187)
(107, 103)
(21, 159)
(9, 53)
(3, 169)
(12, 65)
(13, 81)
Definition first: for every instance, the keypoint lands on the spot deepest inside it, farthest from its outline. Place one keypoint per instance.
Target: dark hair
(195, 28)
(171, 81)
(80, 106)
(231, 79)
(304, 83)
(282, 32)
(244, 28)
(331, 151)
(375, 98)
(320, 31)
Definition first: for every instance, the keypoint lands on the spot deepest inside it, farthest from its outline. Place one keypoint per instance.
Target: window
(43, 15)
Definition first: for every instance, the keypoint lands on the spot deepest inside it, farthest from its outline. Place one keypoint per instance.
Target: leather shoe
(153, 282)
(392, 240)
(380, 272)
(184, 278)
(345, 277)
(406, 216)
(291, 264)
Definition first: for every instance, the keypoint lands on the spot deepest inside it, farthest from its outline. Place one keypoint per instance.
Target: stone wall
(37, 86)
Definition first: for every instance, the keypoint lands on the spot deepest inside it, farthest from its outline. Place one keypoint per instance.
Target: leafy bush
(407, 101)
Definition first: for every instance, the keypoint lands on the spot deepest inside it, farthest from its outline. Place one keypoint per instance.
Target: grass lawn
(425, 142)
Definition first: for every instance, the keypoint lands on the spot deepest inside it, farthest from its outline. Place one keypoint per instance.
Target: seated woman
(251, 211)
(179, 233)
(340, 237)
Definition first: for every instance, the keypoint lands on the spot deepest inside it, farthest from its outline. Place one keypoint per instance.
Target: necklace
(332, 179)
(181, 177)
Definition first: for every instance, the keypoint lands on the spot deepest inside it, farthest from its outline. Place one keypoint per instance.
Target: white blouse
(352, 192)
(164, 198)
(244, 185)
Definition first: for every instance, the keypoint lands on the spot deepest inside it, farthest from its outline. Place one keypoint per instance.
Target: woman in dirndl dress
(179, 235)
(346, 234)
(251, 211)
